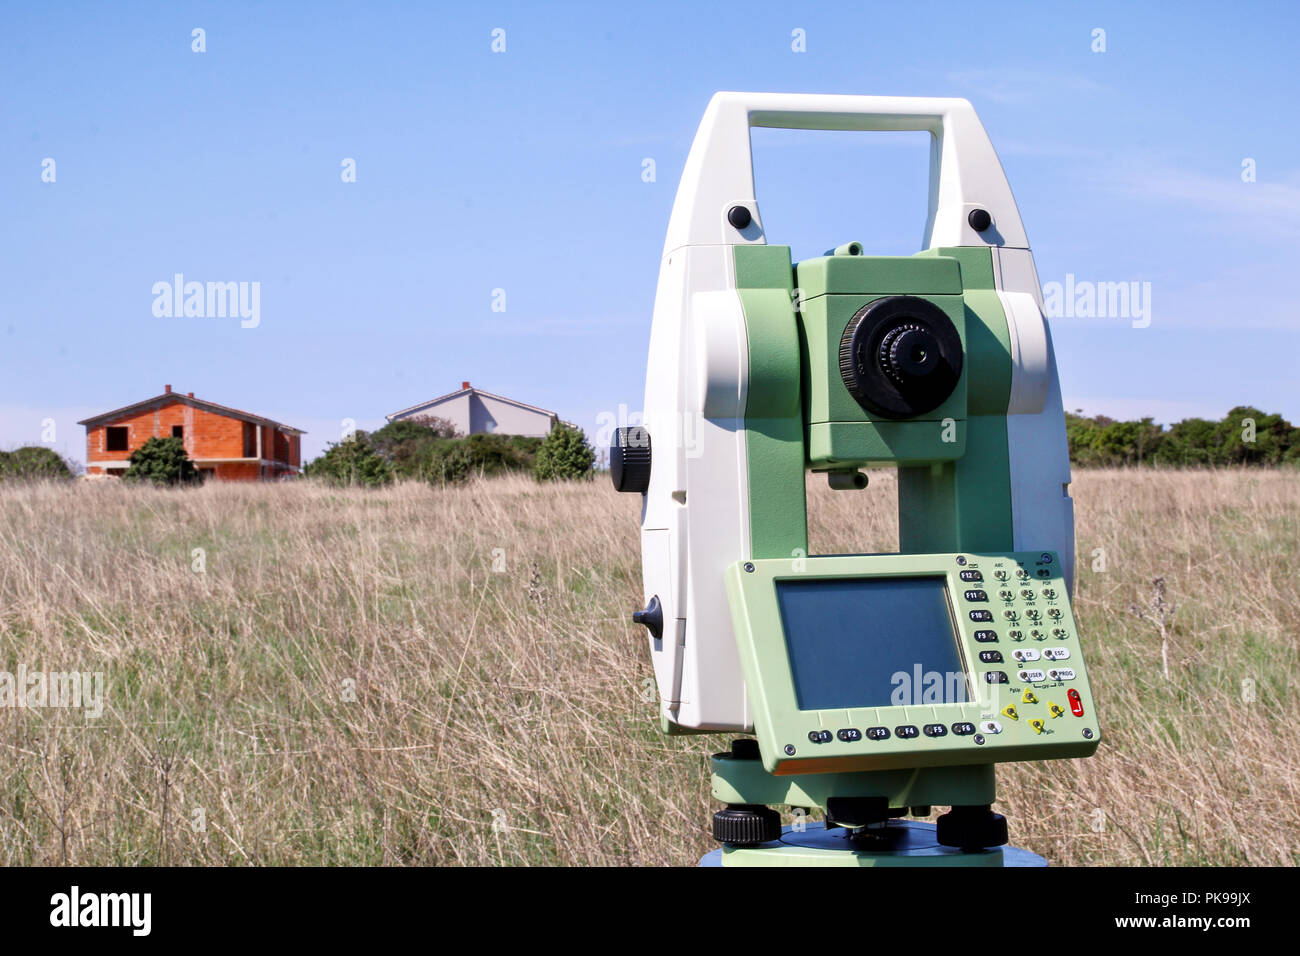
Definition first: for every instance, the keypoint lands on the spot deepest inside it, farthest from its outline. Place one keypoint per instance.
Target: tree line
(1245, 436)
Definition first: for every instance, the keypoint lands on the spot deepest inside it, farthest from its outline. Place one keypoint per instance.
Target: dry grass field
(428, 676)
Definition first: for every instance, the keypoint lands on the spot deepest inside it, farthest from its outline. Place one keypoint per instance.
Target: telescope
(870, 687)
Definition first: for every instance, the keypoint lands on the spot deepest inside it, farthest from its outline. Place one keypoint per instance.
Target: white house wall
(489, 414)
(473, 414)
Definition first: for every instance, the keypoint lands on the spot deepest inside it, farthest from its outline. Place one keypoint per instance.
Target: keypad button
(986, 637)
(850, 735)
(1033, 676)
(936, 730)
(1000, 575)
(1061, 673)
(906, 731)
(878, 733)
(1056, 653)
(971, 576)
(995, 677)
(1049, 593)
(1016, 636)
(990, 657)
(1076, 703)
(981, 615)
(976, 594)
(1025, 654)
(820, 736)
(963, 728)
(991, 727)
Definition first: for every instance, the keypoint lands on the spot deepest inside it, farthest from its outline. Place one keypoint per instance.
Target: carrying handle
(965, 174)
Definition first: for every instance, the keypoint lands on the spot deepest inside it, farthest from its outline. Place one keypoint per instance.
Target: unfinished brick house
(224, 443)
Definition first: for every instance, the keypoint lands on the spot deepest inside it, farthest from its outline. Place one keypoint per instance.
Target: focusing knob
(900, 356)
(746, 825)
(908, 352)
(629, 459)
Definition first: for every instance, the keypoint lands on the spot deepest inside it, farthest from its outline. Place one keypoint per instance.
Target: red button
(1076, 705)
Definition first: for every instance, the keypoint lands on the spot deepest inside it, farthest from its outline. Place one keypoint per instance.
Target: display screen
(871, 642)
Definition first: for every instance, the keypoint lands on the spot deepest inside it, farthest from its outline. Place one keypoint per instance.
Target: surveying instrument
(877, 685)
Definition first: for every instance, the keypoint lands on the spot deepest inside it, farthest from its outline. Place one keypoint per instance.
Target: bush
(32, 463)
(1245, 436)
(454, 459)
(162, 461)
(354, 461)
(564, 454)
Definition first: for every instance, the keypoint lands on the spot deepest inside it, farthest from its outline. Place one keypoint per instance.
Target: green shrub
(564, 454)
(162, 461)
(32, 463)
(454, 459)
(353, 461)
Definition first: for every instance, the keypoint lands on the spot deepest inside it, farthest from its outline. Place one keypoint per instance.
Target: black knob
(900, 356)
(979, 219)
(971, 828)
(652, 618)
(739, 216)
(746, 825)
(629, 460)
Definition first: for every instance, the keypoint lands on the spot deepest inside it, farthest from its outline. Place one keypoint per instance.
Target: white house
(473, 411)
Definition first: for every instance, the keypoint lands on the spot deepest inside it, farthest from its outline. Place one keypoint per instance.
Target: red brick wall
(206, 435)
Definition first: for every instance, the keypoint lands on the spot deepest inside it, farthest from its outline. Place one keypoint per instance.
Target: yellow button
(1037, 724)
(1028, 697)
(1010, 711)
(1054, 709)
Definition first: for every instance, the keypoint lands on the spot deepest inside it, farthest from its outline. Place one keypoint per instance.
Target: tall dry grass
(349, 680)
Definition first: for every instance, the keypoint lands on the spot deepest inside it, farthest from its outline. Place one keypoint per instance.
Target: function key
(820, 736)
(990, 657)
(986, 637)
(963, 728)
(976, 594)
(907, 731)
(981, 615)
(850, 735)
(971, 576)
(935, 730)
(878, 733)
(995, 677)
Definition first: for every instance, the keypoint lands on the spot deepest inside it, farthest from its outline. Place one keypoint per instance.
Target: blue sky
(522, 171)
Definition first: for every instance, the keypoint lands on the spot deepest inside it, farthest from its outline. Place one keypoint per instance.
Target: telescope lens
(900, 356)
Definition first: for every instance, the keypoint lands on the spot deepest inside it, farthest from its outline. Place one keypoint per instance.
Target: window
(178, 431)
(250, 440)
(115, 438)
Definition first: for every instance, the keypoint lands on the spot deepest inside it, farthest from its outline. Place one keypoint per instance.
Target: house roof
(468, 391)
(159, 400)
